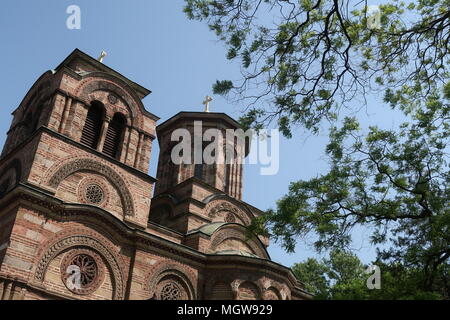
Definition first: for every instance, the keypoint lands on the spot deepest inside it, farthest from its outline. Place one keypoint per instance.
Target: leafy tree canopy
(303, 61)
(394, 183)
(343, 276)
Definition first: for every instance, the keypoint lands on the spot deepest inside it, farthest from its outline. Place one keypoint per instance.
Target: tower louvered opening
(114, 136)
(93, 125)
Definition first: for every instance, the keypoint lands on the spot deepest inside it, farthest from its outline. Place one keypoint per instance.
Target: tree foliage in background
(343, 276)
(302, 62)
(394, 183)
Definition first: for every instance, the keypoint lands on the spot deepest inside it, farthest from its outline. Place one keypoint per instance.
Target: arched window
(114, 136)
(248, 291)
(93, 125)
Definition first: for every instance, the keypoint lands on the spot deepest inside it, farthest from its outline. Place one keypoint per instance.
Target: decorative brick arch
(246, 287)
(235, 231)
(95, 81)
(280, 289)
(71, 166)
(102, 97)
(76, 240)
(216, 206)
(235, 280)
(272, 293)
(167, 269)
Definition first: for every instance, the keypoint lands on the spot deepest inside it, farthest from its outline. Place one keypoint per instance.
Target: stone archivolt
(168, 272)
(96, 81)
(235, 231)
(73, 165)
(83, 239)
(216, 207)
(271, 294)
(244, 288)
(90, 267)
(119, 105)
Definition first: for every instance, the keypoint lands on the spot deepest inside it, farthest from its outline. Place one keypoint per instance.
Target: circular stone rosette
(112, 98)
(82, 271)
(170, 289)
(93, 192)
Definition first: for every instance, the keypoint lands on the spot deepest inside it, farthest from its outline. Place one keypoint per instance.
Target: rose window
(230, 218)
(171, 291)
(81, 271)
(87, 268)
(112, 99)
(94, 194)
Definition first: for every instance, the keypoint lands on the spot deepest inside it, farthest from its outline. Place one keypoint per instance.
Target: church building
(81, 218)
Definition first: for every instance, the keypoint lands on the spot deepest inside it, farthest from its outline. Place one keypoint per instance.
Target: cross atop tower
(208, 99)
(102, 56)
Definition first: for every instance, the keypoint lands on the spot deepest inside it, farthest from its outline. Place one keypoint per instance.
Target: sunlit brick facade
(75, 191)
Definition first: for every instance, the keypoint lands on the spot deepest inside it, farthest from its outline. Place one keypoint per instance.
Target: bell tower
(185, 187)
(83, 135)
(223, 171)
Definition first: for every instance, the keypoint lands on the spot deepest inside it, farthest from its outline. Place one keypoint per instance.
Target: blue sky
(155, 45)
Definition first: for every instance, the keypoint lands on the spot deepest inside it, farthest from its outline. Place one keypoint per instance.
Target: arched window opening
(114, 136)
(93, 125)
(248, 291)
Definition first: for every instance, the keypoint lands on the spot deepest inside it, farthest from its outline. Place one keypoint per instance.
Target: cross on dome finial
(102, 55)
(208, 99)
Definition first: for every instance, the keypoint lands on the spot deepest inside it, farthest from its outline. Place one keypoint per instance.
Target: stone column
(126, 141)
(127, 155)
(103, 132)
(138, 150)
(67, 108)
